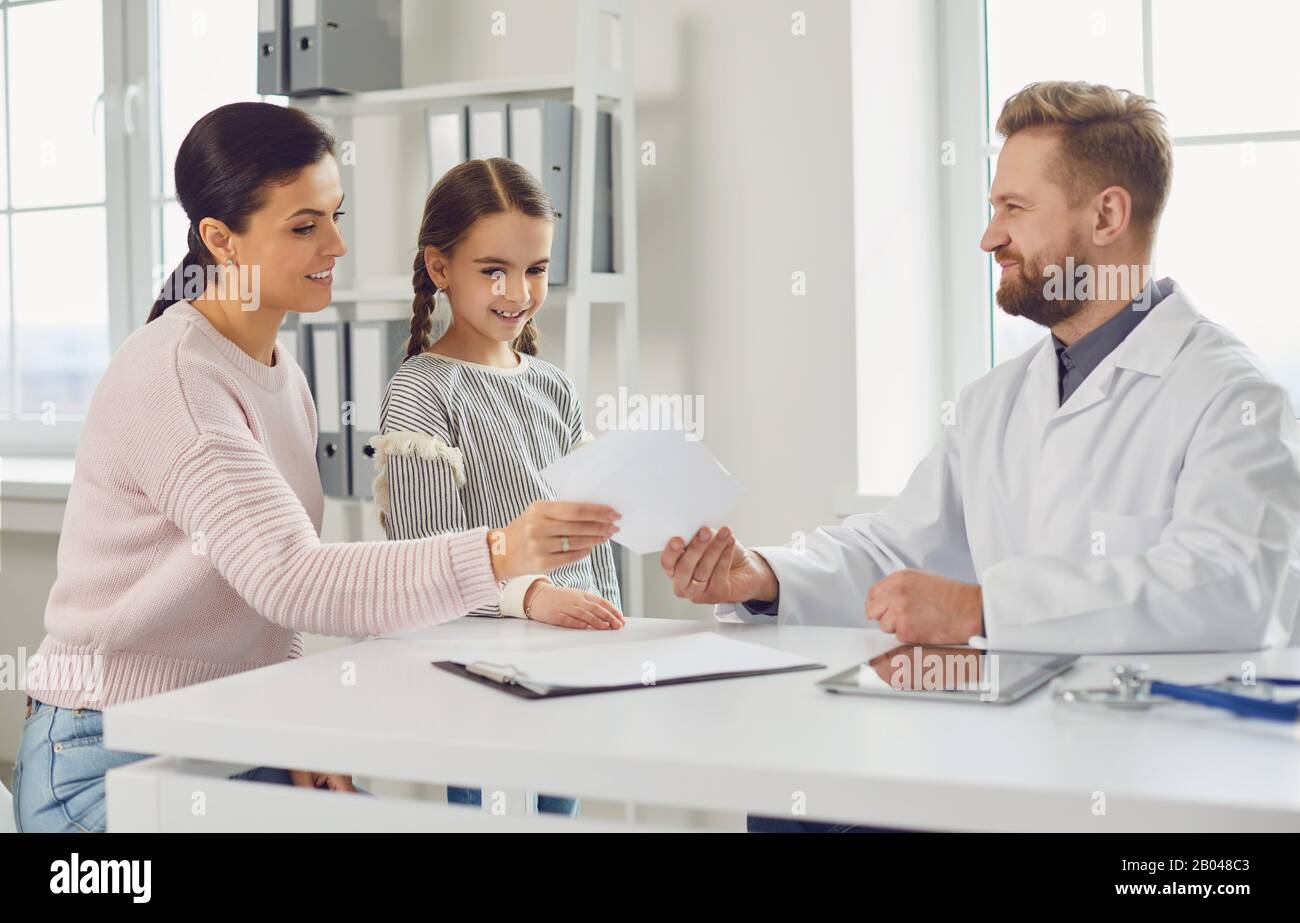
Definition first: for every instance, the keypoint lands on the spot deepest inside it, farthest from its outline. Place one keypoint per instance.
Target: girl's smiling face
(496, 277)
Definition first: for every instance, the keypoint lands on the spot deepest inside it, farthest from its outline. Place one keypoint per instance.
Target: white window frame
(964, 351)
(963, 107)
(125, 71)
(962, 345)
(133, 203)
(966, 119)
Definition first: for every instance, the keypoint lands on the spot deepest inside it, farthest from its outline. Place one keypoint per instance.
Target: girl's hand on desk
(570, 608)
(547, 535)
(333, 781)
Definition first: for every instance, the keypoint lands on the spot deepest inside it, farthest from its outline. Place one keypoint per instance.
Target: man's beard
(1021, 294)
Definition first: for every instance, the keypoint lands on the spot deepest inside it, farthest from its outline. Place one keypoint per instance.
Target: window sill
(33, 490)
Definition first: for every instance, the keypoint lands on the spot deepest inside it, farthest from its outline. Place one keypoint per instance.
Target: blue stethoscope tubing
(1243, 705)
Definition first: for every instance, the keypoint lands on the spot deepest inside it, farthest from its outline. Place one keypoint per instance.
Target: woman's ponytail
(174, 288)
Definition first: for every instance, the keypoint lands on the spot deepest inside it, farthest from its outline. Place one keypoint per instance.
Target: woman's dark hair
(225, 167)
(466, 193)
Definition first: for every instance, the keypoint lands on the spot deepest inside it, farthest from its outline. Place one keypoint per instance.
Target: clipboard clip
(504, 673)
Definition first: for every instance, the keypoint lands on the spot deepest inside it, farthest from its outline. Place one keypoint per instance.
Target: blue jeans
(545, 804)
(58, 780)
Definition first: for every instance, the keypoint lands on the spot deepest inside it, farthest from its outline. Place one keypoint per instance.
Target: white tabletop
(760, 744)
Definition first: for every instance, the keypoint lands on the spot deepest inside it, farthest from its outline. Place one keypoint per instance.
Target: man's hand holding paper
(717, 569)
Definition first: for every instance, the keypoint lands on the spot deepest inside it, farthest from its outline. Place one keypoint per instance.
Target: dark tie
(1069, 378)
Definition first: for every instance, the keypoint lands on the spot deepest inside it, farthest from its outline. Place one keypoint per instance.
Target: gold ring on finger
(564, 544)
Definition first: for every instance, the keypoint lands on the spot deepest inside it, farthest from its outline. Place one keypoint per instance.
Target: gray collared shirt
(1075, 362)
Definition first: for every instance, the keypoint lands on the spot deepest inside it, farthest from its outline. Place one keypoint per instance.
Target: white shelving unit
(601, 80)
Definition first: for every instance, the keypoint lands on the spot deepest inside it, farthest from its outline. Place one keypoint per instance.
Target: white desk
(741, 745)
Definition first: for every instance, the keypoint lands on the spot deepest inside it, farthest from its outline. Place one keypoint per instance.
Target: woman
(190, 546)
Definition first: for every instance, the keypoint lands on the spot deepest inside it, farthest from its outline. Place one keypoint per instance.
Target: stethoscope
(1130, 689)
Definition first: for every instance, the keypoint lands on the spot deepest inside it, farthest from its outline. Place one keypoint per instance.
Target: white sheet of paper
(662, 483)
(639, 662)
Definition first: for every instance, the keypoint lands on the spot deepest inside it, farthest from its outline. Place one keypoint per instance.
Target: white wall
(753, 182)
(898, 257)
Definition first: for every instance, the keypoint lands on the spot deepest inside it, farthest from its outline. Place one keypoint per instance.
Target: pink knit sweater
(191, 542)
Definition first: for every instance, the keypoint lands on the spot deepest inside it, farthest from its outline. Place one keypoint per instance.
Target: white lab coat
(1158, 509)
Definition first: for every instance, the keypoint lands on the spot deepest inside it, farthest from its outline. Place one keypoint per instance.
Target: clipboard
(506, 679)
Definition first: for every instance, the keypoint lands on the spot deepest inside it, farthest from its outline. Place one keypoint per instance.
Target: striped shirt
(463, 445)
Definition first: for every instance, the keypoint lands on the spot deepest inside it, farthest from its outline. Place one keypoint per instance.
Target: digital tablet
(949, 673)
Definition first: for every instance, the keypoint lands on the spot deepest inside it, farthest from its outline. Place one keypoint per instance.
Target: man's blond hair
(1108, 137)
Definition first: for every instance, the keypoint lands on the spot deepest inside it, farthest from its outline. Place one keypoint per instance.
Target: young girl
(469, 422)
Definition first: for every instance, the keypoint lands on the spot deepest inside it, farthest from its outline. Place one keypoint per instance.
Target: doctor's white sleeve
(1224, 574)
(824, 577)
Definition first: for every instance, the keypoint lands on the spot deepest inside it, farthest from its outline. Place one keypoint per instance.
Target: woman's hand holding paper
(547, 535)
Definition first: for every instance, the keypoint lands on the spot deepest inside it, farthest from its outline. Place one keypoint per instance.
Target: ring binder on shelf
(541, 141)
(329, 366)
(375, 350)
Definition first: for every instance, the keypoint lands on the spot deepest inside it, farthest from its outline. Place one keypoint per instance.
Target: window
(195, 40)
(89, 224)
(1228, 81)
(55, 208)
(932, 78)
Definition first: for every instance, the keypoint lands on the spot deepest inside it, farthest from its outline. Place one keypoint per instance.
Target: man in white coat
(1131, 484)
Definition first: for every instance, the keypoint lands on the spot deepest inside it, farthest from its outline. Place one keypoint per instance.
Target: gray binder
(329, 386)
(291, 335)
(541, 141)
(375, 350)
(342, 46)
(602, 244)
(273, 47)
(448, 135)
(488, 131)
(295, 337)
